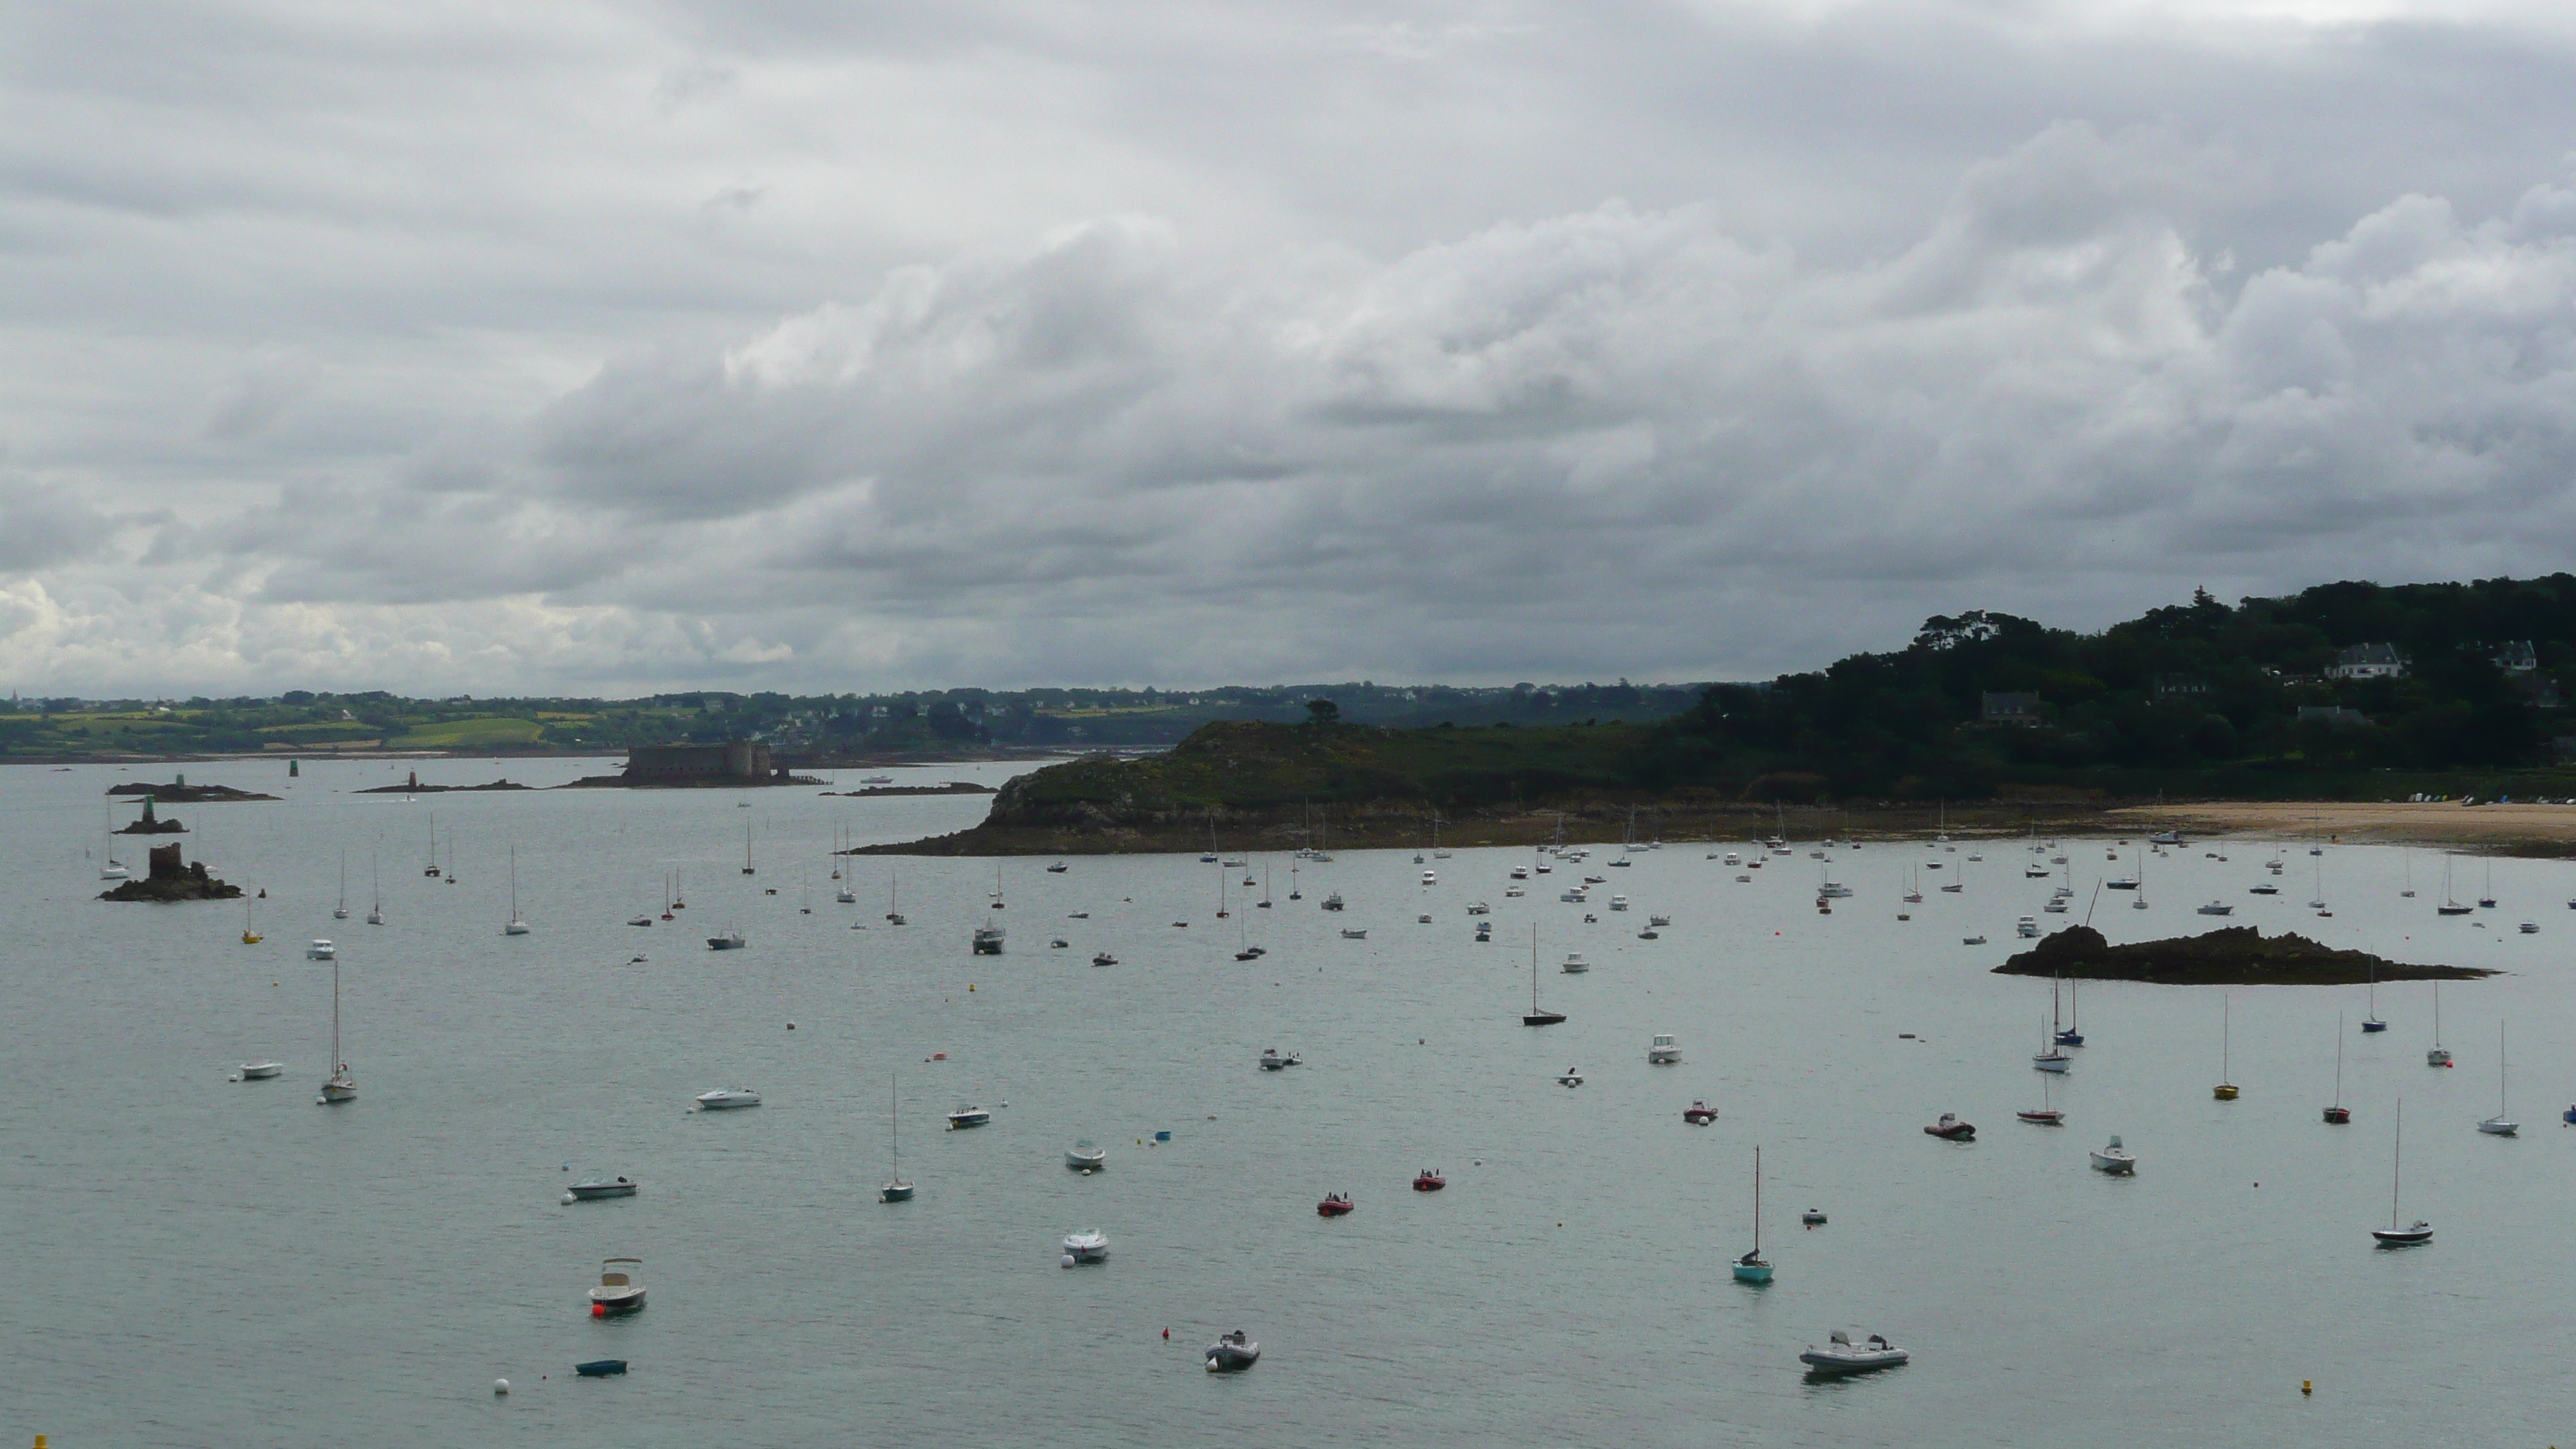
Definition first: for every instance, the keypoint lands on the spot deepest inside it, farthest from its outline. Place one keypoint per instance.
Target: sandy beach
(2511, 829)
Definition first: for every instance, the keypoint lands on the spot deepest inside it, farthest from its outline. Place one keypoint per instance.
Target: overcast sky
(595, 347)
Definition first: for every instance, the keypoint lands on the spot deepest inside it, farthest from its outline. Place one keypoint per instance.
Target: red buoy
(599, 1310)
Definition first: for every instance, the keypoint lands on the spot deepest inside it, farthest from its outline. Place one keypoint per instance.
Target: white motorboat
(1618, 903)
(1086, 1247)
(261, 1071)
(1103, 958)
(725, 1097)
(1430, 877)
(1574, 964)
(2027, 927)
(321, 950)
(1654, 921)
(1842, 1356)
(1083, 1156)
(1521, 872)
(2115, 1159)
(1232, 1353)
(2218, 908)
(728, 942)
(1577, 895)
(595, 1189)
(1333, 902)
(618, 1292)
(968, 1115)
(1479, 908)
(1273, 1059)
(1663, 1051)
(987, 941)
(1570, 1077)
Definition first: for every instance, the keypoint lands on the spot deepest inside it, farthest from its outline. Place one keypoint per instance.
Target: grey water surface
(188, 1260)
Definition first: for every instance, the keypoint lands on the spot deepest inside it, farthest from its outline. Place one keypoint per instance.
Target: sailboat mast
(335, 1013)
(1757, 1202)
(2396, 1162)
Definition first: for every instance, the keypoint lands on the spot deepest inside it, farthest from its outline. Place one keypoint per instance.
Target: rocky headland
(173, 879)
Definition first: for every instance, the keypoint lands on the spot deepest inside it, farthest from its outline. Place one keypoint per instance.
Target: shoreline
(2546, 832)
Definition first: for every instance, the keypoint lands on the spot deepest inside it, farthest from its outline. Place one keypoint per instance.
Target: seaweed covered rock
(2232, 956)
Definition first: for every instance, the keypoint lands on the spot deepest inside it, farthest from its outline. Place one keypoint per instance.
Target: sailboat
(375, 884)
(2487, 899)
(2409, 892)
(431, 870)
(1537, 1017)
(341, 1086)
(896, 1190)
(2338, 1114)
(249, 937)
(340, 912)
(2071, 1034)
(2439, 1055)
(2225, 1091)
(2138, 902)
(2050, 1057)
(516, 927)
(2372, 1021)
(2500, 1125)
(1752, 1268)
(114, 869)
(746, 849)
(894, 917)
(2449, 906)
(2047, 1114)
(2394, 1236)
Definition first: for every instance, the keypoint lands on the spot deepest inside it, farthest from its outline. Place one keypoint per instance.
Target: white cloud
(598, 347)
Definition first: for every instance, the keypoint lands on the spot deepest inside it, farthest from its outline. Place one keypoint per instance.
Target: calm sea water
(189, 1260)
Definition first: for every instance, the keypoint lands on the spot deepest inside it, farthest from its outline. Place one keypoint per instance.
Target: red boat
(1334, 1205)
(1699, 1114)
(1429, 1181)
(1952, 1129)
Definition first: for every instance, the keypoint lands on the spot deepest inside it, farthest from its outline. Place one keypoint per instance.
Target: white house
(2369, 661)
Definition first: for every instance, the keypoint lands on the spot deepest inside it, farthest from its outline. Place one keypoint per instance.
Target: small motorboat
(1103, 958)
(1273, 1059)
(724, 1097)
(1082, 1156)
(1091, 1246)
(618, 1292)
(2027, 927)
(1232, 1353)
(262, 1071)
(1574, 964)
(2530, 928)
(1570, 1077)
(1841, 1356)
(731, 942)
(320, 950)
(1333, 902)
(1951, 1129)
(1334, 1205)
(1663, 1051)
(2115, 1159)
(1428, 1180)
(2043, 1117)
(1479, 908)
(1058, 868)
(2218, 908)
(1699, 1113)
(1813, 1217)
(600, 1368)
(640, 921)
(2263, 888)
(968, 1115)
(1972, 940)
(595, 1188)
(1359, 935)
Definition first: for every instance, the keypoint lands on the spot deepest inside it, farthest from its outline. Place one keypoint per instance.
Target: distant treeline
(2199, 698)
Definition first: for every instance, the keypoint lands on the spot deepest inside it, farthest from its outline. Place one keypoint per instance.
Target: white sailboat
(897, 1189)
(2439, 1055)
(2500, 1125)
(376, 884)
(340, 1086)
(515, 927)
(2394, 1236)
(340, 912)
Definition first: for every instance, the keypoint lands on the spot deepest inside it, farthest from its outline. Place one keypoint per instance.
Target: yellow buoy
(2307, 1386)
